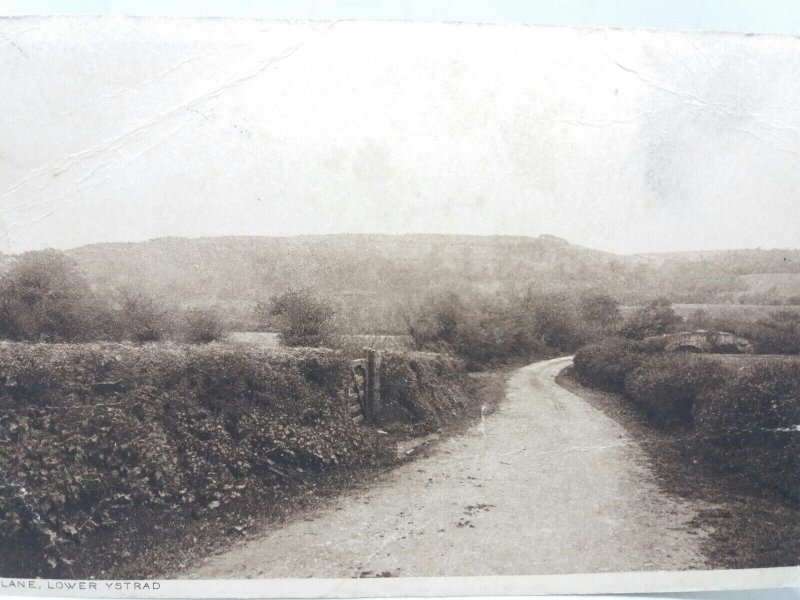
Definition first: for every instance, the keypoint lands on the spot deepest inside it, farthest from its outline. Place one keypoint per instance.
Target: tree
(43, 297)
(656, 318)
(139, 319)
(438, 321)
(599, 310)
(554, 321)
(202, 326)
(302, 318)
(777, 334)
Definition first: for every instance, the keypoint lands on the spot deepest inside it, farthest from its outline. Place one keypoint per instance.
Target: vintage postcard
(367, 308)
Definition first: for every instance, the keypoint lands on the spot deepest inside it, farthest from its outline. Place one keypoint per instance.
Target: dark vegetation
(95, 436)
(777, 333)
(44, 298)
(721, 429)
(300, 317)
(749, 526)
(502, 328)
(743, 420)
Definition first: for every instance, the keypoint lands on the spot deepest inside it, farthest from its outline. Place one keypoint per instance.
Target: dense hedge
(606, 363)
(91, 434)
(750, 423)
(666, 386)
(422, 387)
(745, 418)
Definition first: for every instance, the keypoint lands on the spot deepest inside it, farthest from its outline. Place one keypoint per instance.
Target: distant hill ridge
(373, 277)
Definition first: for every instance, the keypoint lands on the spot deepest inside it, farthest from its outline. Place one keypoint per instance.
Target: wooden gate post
(372, 385)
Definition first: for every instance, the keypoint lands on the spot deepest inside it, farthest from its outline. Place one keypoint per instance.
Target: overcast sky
(629, 141)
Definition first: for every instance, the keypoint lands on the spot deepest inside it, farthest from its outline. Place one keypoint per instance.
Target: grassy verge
(751, 527)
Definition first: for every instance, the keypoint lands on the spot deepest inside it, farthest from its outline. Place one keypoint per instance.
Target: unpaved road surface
(547, 484)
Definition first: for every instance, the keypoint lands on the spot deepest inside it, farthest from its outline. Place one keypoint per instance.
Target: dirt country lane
(547, 484)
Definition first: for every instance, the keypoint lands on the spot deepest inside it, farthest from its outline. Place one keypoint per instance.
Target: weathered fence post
(372, 385)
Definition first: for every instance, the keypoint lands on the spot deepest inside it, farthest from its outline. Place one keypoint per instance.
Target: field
(272, 340)
(721, 311)
(747, 360)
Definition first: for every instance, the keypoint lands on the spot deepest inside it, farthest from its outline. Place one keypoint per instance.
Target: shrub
(420, 387)
(437, 322)
(599, 312)
(749, 425)
(140, 319)
(202, 326)
(656, 318)
(95, 435)
(666, 386)
(98, 432)
(555, 322)
(43, 297)
(606, 364)
(302, 318)
(496, 328)
(777, 334)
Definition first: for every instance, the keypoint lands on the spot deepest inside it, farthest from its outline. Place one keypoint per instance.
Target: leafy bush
(605, 364)
(497, 328)
(44, 298)
(302, 318)
(749, 424)
(777, 334)
(140, 319)
(421, 387)
(202, 326)
(600, 313)
(656, 318)
(666, 386)
(94, 433)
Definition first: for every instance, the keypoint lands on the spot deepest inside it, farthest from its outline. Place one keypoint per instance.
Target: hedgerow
(91, 435)
(746, 420)
(666, 386)
(750, 424)
(422, 387)
(605, 364)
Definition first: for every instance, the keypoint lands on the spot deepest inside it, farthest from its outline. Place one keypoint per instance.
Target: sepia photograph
(346, 300)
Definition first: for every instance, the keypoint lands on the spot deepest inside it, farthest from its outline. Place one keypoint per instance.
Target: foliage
(202, 326)
(422, 387)
(777, 334)
(555, 321)
(43, 297)
(437, 322)
(302, 318)
(605, 364)
(140, 319)
(496, 328)
(748, 424)
(93, 433)
(600, 311)
(746, 418)
(666, 386)
(656, 318)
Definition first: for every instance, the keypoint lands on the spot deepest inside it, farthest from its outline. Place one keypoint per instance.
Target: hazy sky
(128, 129)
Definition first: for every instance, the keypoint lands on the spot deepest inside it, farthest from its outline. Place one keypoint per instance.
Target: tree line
(45, 298)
